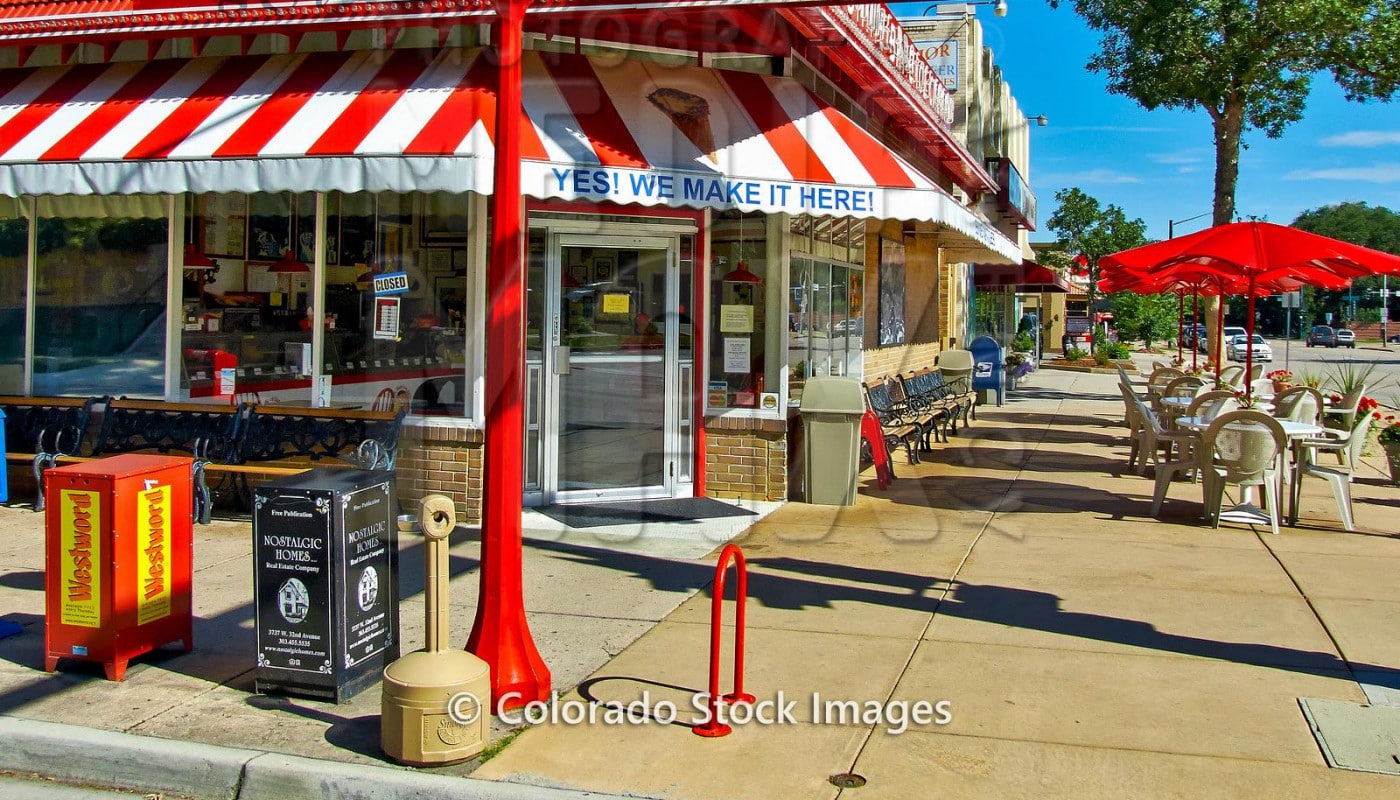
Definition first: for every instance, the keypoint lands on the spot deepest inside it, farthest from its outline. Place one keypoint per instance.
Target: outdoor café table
(1296, 433)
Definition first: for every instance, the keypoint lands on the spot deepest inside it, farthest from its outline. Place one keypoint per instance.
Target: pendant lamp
(740, 273)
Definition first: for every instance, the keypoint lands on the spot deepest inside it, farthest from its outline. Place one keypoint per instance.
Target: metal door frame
(542, 376)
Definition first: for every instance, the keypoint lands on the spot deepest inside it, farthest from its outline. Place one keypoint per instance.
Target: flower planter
(1392, 457)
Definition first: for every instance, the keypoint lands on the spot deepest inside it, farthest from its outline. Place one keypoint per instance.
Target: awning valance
(402, 120)
(1027, 276)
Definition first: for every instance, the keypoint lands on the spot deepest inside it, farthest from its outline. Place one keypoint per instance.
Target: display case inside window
(407, 349)
(739, 278)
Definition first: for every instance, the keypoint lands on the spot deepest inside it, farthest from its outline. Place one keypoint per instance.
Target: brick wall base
(441, 460)
(746, 459)
(884, 361)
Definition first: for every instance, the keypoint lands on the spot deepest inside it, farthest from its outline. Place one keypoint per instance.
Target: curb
(112, 759)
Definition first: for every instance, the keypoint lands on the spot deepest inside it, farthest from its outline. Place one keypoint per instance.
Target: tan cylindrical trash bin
(831, 411)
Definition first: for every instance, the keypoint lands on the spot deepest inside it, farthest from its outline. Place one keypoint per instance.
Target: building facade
(292, 204)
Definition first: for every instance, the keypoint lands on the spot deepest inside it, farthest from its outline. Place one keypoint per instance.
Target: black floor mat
(631, 512)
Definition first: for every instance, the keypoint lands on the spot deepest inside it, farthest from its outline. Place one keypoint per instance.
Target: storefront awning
(1027, 276)
(401, 120)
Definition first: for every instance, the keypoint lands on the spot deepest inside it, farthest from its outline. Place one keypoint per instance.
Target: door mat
(1354, 736)
(632, 512)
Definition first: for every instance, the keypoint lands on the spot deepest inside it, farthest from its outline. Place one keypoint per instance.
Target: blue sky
(1159, 165)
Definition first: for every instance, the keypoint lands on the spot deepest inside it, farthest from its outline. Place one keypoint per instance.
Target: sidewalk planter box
(325, 579)
(118, 559)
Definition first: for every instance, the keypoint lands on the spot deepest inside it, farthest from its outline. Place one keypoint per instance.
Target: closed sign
(391, 283)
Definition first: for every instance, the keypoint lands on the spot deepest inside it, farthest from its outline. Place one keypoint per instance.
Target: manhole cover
(1354, 736)
(847, 780)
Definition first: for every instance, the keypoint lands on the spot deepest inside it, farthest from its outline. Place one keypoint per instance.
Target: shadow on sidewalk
(225, 649)
(790, 584)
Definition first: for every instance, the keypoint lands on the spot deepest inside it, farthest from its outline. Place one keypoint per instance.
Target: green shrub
(1075, 353)
(1118, 350)
(1024, 343)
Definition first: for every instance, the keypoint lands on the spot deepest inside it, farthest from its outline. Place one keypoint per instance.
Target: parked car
(1239, 348)
(1322, 336)
(1346, 338)
(1227, 334)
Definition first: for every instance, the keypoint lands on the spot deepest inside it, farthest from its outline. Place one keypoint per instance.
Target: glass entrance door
(603, 367)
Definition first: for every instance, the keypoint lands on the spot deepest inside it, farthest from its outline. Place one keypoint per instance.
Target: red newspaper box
(118, 559)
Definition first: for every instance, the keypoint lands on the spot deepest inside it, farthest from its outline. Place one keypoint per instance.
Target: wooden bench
(929, 416)
(39, 430)
(205, 432)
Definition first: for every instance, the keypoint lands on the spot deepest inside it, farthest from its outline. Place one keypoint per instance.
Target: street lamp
(1040, 120)
(998, 6)
(1171, 224)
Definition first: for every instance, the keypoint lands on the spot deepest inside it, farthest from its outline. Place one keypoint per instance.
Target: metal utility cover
(1355, 736)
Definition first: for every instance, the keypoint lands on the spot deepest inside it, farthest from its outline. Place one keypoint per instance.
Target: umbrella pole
(1195, 322)
(1180, 324)
(1219, 335)
(1249, 343)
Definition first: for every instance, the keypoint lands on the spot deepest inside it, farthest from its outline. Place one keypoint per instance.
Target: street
(1384, 384)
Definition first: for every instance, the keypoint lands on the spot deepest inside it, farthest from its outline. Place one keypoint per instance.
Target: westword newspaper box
(118, 559)
(325, 579)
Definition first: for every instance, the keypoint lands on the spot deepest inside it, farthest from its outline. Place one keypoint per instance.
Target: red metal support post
(501, 635)
(712, 727)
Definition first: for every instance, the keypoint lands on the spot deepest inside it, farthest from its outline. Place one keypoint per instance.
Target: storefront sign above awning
(596, 129)
(1027, 276)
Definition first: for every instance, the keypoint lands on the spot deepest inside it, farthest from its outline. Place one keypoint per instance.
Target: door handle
(561, 359)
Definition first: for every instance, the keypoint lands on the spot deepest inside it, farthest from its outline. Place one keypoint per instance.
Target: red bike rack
(712, 727)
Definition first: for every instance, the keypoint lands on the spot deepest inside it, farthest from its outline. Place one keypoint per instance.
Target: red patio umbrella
(1254, 256)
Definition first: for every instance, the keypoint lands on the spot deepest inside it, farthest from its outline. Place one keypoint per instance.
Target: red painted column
(500, 635)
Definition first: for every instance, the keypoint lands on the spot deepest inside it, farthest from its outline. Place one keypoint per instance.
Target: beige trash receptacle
(831, 411)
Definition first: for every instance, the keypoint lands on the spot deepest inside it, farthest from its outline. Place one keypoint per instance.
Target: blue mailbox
(988, 366)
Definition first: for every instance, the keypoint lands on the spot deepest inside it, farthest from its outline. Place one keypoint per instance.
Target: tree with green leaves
(1376, 227)
(1088, 230)
(1149, 317)
(1247, 63)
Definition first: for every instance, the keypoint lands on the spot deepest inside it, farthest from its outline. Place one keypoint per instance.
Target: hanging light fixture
(740, 273)
(196, 260)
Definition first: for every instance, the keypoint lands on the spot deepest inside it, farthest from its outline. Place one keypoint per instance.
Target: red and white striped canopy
(402, 120)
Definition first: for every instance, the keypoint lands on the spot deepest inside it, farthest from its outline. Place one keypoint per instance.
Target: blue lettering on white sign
(727, 192)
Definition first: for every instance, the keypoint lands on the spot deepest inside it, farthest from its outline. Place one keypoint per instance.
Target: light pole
(998, 6)
(1171, 223)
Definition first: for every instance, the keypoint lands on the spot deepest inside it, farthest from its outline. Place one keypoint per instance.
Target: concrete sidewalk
(1083, 648)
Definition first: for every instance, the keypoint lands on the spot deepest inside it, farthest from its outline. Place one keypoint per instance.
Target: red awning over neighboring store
(601, 130)
(1027, 276)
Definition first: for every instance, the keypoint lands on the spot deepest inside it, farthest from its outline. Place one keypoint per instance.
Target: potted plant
(1282, 379)
(1389, 438)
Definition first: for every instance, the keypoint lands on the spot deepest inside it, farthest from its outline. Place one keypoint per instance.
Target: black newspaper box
(325, 580)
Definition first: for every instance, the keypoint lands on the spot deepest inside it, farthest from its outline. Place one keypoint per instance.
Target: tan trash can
(831, 411)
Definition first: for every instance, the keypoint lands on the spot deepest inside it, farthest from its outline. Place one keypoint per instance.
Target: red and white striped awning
(403, 120)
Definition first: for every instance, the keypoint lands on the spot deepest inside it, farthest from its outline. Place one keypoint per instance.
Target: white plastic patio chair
(1155, 437)
(1208, 406)
(1347, 449)
(1244, 448)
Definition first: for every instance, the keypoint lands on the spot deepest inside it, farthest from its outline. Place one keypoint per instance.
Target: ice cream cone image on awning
(691, 114)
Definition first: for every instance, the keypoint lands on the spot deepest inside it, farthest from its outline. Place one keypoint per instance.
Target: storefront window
(739, 279)
(14, 280)
(826, 320)
(100, 288)
(256, 307)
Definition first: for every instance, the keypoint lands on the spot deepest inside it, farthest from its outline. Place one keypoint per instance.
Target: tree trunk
(1229, 124)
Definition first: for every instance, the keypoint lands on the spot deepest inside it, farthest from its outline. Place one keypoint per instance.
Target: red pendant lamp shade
(741, 274)
(288, 263)
(195, 259)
